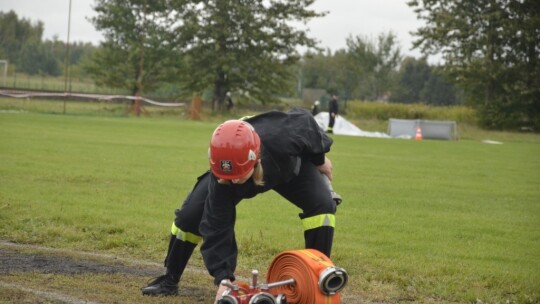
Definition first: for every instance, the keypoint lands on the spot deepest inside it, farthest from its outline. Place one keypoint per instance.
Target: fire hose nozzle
(332, 280)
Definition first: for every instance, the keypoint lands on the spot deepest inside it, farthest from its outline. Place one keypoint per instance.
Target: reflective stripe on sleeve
(319, 221)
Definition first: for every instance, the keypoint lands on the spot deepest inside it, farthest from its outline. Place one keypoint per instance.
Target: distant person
(291, 147)
(230, 104)
(315, 108)
(333, 108)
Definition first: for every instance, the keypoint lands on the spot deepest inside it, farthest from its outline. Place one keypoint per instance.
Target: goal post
(431, 129)
(5, 64)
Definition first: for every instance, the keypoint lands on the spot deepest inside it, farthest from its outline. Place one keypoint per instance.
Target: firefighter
(280, 151)
(315, 108)
(333, 108)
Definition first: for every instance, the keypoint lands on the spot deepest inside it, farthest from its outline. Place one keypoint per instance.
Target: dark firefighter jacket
(286, 138)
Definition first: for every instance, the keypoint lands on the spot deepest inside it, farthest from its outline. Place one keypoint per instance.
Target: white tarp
(344, 127)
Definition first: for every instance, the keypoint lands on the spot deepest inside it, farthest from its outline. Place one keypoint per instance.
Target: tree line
(22, 44)
(490, 51)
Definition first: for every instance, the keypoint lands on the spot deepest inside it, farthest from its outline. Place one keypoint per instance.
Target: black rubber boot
(320, 238)
(178, 256)
(164, 285)
(172, 239)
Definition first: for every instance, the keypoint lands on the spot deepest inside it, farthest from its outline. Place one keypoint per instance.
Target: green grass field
(422, 221)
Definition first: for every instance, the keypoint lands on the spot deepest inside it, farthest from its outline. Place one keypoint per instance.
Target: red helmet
(234, 149)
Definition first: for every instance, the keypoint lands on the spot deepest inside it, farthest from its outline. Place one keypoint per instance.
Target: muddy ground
(13, 261)
(35, 274)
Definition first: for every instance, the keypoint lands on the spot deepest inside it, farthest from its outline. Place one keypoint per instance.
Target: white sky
(365, 18)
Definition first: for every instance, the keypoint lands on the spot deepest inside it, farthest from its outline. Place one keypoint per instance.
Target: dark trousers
(331, 122)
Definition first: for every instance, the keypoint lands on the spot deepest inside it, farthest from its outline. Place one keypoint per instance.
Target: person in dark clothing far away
(280, 151)
(230, 103)
(333, 108)
(315, 108)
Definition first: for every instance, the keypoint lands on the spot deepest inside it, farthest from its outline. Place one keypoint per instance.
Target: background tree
(38, 58)
(245, 46)
(417, 81)
(316, 69)
(375, 63)
(328, 71)
(362, 61)
(412, 76)
(346, 79)
(491, 49)
(21, 45)
(388, 55)
(136, 54)
(438, 91)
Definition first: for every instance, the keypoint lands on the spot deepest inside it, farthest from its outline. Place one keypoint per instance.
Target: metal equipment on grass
(298, 277)
(253, 294)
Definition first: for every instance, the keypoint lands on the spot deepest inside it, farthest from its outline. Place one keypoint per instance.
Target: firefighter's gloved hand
(336, 197)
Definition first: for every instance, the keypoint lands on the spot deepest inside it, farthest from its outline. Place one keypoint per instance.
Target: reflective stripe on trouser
(185, 236)
(319, 232)
(320, 220)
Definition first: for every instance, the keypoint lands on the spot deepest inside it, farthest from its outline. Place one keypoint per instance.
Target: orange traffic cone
(418, 133)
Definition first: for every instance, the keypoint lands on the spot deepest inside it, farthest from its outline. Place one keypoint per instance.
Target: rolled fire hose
(317, 280)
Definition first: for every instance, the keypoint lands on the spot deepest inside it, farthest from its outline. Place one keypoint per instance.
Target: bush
(385, 111)
(510, 117)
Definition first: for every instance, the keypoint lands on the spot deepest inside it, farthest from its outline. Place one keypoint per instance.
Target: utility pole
(66, 68)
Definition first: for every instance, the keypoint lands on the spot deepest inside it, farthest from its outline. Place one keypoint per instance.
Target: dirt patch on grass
(12, 261)
(37, 274)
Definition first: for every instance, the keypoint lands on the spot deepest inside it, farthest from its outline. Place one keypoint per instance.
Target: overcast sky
(364, 18)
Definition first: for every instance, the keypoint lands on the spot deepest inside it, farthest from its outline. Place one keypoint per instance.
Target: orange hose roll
(317, 281)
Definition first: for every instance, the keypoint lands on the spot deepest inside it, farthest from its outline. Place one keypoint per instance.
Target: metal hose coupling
(254, 293)
(332, 280)
(262, 298)
(227, 299)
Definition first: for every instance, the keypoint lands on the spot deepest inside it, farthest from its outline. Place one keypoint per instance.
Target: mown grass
(422, 221)
(118, 287)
